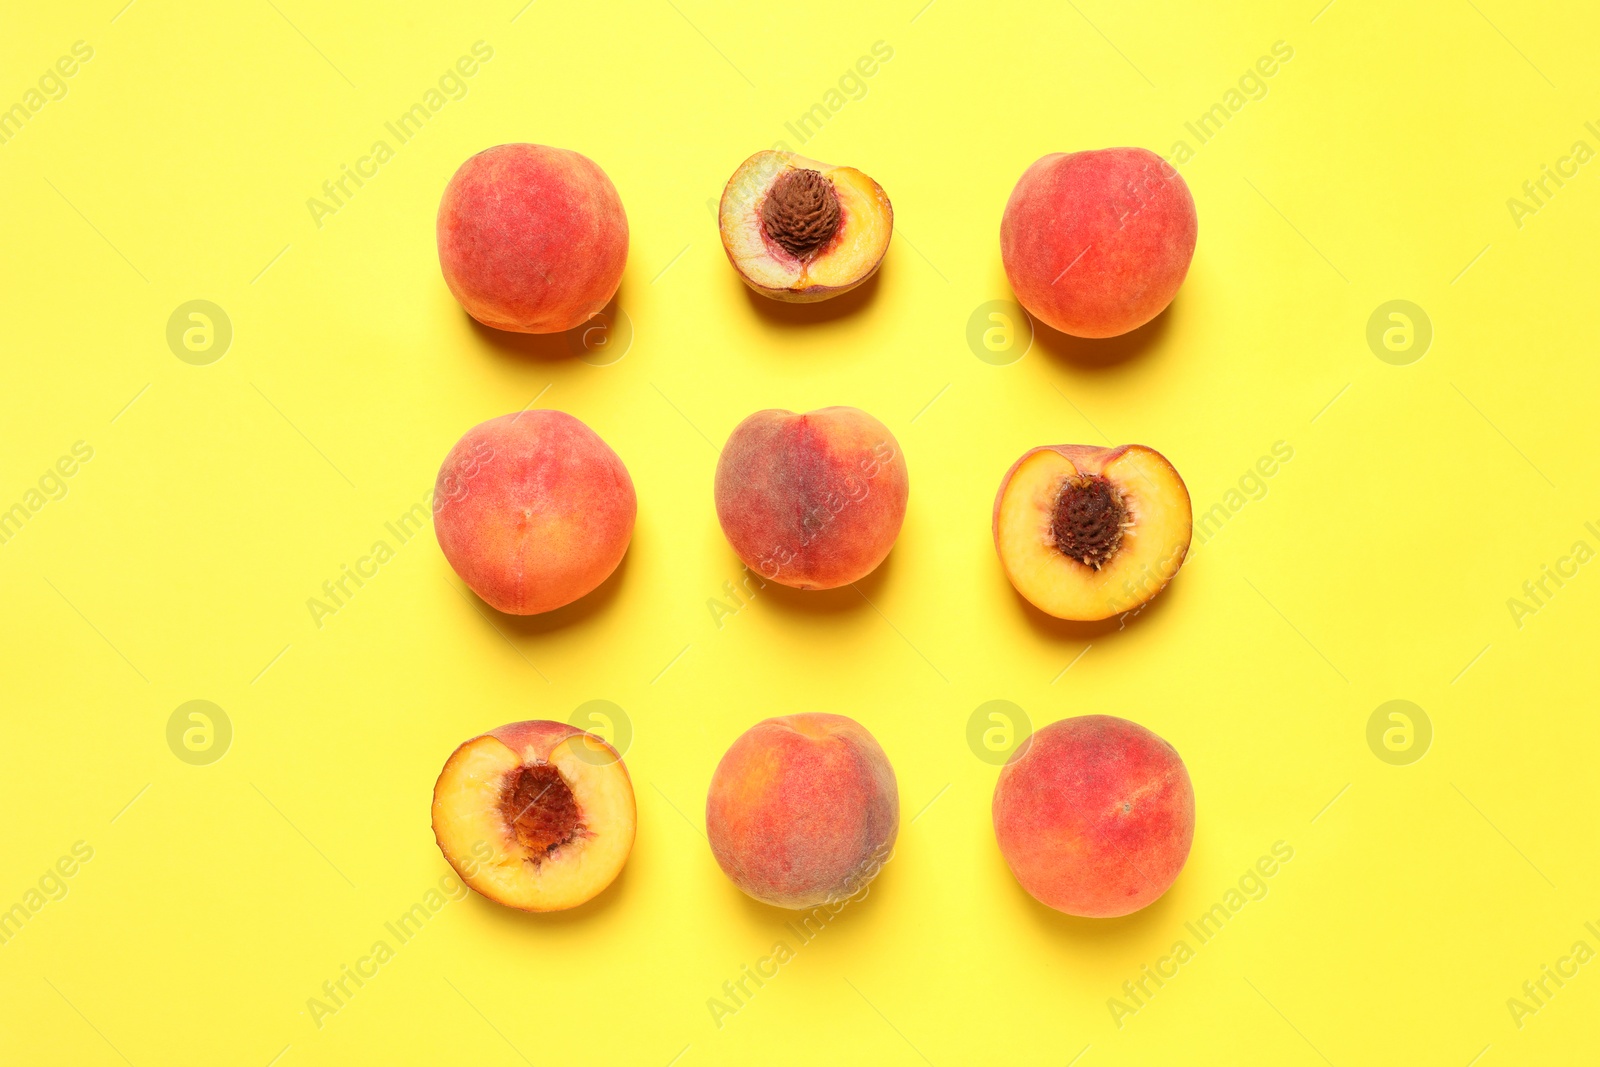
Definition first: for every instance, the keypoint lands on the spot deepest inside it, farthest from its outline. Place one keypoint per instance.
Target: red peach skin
(1094, 815)
(532, 239)
(1097, 243)
(535, 738)
(803, 809)
(533, 510)
(813, 501)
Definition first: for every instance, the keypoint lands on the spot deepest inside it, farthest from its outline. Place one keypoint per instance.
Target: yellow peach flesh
(1153, 545)
(467, 812)
(864, 230)
(865, 226)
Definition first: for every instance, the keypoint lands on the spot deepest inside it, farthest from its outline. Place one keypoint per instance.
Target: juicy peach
(1097, 243)
(799, 230)
(812, 501)
(1086, 533)
(1094, 815)
(803, 809)
(533, 510)
(532, 239)
(550, 806)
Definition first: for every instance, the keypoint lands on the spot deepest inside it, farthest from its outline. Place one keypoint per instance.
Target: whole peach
(533, 510)
(1097, 243)
(803, 809)
(1094, 815)
(813, 501)
(532, 239)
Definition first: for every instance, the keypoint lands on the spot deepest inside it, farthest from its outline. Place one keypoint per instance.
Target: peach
(533, 510)
(812, 501)
(1094, 816)
(1085, 533)
(1097, 243)
(535, 815)
(800, 231)
(803, 810)
(532, 239)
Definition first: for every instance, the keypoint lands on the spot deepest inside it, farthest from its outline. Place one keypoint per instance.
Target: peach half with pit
(532, 239)
(812, 501)
(552, 807)
(533, 510)
(803, 810)
(1085, 533)
(801, 231)
(1094, 815)
(1097, 243)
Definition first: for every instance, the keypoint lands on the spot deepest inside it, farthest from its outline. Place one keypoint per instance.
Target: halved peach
(801, 231)
(1086, 533)
(553, 806)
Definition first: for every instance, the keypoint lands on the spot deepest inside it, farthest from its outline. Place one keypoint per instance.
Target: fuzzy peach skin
(1097, 243)
(803, 809)
(812, 501)
(533, 510)
(1094, 815)
(532, 239)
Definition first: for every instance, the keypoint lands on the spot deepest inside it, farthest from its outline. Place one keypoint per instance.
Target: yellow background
(1377, 565)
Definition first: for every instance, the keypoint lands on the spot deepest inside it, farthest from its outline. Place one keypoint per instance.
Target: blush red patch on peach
(1097, 243)
(803, 809)
(544, 518)
(532, 239)
(1095, 816)
(813, 500)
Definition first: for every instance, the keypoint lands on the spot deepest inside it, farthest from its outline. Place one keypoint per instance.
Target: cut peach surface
(800, 230)
(1085, 533)
(552, 803)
